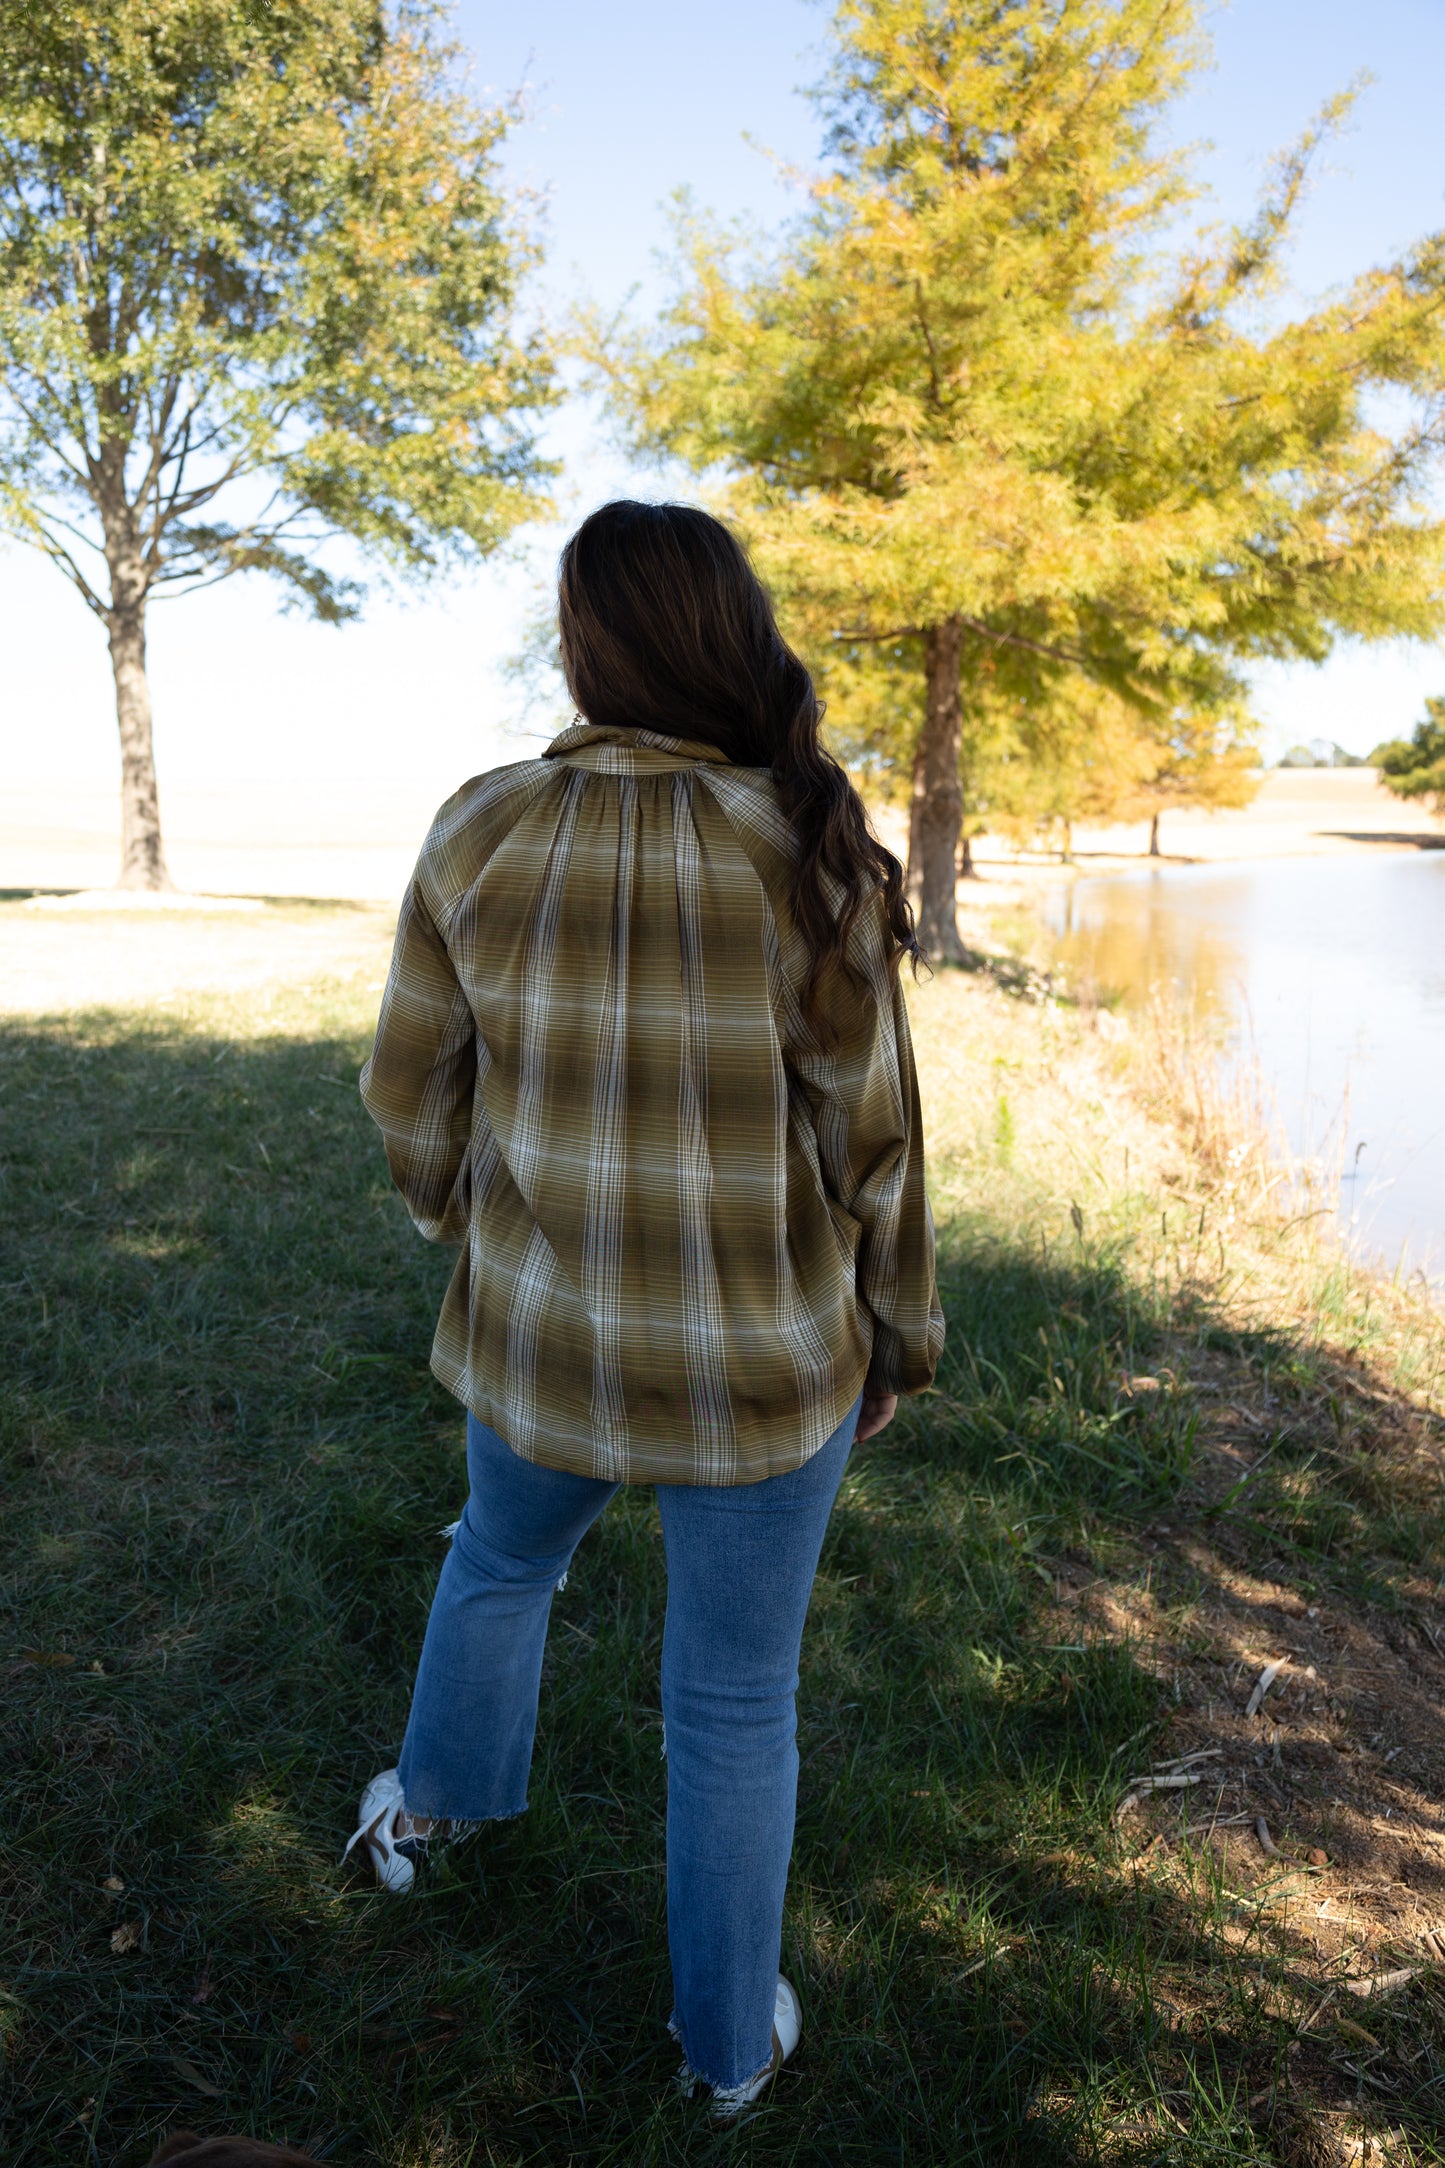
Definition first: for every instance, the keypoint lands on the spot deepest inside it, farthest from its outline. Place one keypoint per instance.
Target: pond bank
(1326, 983)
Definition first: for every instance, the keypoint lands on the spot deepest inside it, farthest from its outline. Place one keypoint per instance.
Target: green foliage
(973, 385)
(257, 255)
(1415, 768)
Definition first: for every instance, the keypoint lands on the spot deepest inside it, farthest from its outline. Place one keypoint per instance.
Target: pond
(1330, 972)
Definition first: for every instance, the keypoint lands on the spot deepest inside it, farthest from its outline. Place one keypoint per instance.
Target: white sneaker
(385, 1833)
(730, 2100)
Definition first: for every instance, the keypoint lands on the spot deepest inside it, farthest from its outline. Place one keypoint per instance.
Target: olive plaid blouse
(690, 1234)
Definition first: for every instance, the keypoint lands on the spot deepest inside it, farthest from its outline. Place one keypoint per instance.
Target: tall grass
(226, 1470)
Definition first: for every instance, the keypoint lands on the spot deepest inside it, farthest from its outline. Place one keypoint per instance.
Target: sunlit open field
(359, 838)
(1120, 1833)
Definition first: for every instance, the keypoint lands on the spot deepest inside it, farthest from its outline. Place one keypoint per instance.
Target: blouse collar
(616, 749)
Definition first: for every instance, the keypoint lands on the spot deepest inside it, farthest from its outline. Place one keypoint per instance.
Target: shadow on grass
(227, 1467)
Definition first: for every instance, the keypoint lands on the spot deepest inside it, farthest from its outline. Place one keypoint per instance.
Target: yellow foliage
(971, 387)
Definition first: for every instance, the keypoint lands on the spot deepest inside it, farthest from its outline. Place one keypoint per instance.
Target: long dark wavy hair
(665, 626)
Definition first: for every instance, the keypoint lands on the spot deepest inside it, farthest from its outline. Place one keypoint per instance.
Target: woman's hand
(879, 1410)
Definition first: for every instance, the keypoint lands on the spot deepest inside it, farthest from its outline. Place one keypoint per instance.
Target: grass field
(1173, 1439)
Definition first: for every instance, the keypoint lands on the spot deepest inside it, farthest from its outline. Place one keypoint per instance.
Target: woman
(643, 1054)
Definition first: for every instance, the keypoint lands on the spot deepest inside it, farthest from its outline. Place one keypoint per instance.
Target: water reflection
(1331, 971)
(1128, 937)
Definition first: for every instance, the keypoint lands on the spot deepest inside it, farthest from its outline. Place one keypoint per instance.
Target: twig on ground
(1383, 1983)
(1206, 1828)
(1267, 1843)
(1140, 1787)
(1263, 1684)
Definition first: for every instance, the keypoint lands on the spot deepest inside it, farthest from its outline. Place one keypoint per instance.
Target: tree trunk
(1154, 835)
(913, 871)
(142, 859)
(967, 870)
(936, 818)
(1066, 850)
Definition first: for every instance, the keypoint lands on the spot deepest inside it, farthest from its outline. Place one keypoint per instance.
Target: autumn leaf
(194, 2077)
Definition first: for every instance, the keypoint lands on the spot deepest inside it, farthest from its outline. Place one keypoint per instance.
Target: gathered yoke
(691, 1231)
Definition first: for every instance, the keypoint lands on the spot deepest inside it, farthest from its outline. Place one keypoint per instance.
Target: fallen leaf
(194, 2077)
(113, 1882)
(56, 1658)
(1355, 2032)
(127, 1937)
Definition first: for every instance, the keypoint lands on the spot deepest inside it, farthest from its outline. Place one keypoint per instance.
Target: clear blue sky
(634, 98)
(629, 101)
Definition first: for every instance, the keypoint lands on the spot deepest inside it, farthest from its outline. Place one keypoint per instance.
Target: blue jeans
(740, 1568)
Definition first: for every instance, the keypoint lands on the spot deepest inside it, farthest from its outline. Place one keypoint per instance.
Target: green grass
(226, 1467)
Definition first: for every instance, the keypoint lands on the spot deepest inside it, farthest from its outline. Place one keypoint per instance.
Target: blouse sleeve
(418, 1084)
(864, 1096)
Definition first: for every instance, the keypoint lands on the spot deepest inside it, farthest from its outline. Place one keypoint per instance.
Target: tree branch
(81, 474)
(1018, 639)
(181, 507)
(59, 555)
(243, 546)
(969, 624)
(158, 421)
(54, 519)
(937, 393)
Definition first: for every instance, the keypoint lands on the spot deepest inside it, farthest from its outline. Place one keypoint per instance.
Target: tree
(1321, 753)
(1086, 755)
(257, 289)
(971, 407)
(1415, 767)
(1199, 760)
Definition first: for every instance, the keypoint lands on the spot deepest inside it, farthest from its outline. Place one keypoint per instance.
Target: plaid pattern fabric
(689, 1233)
